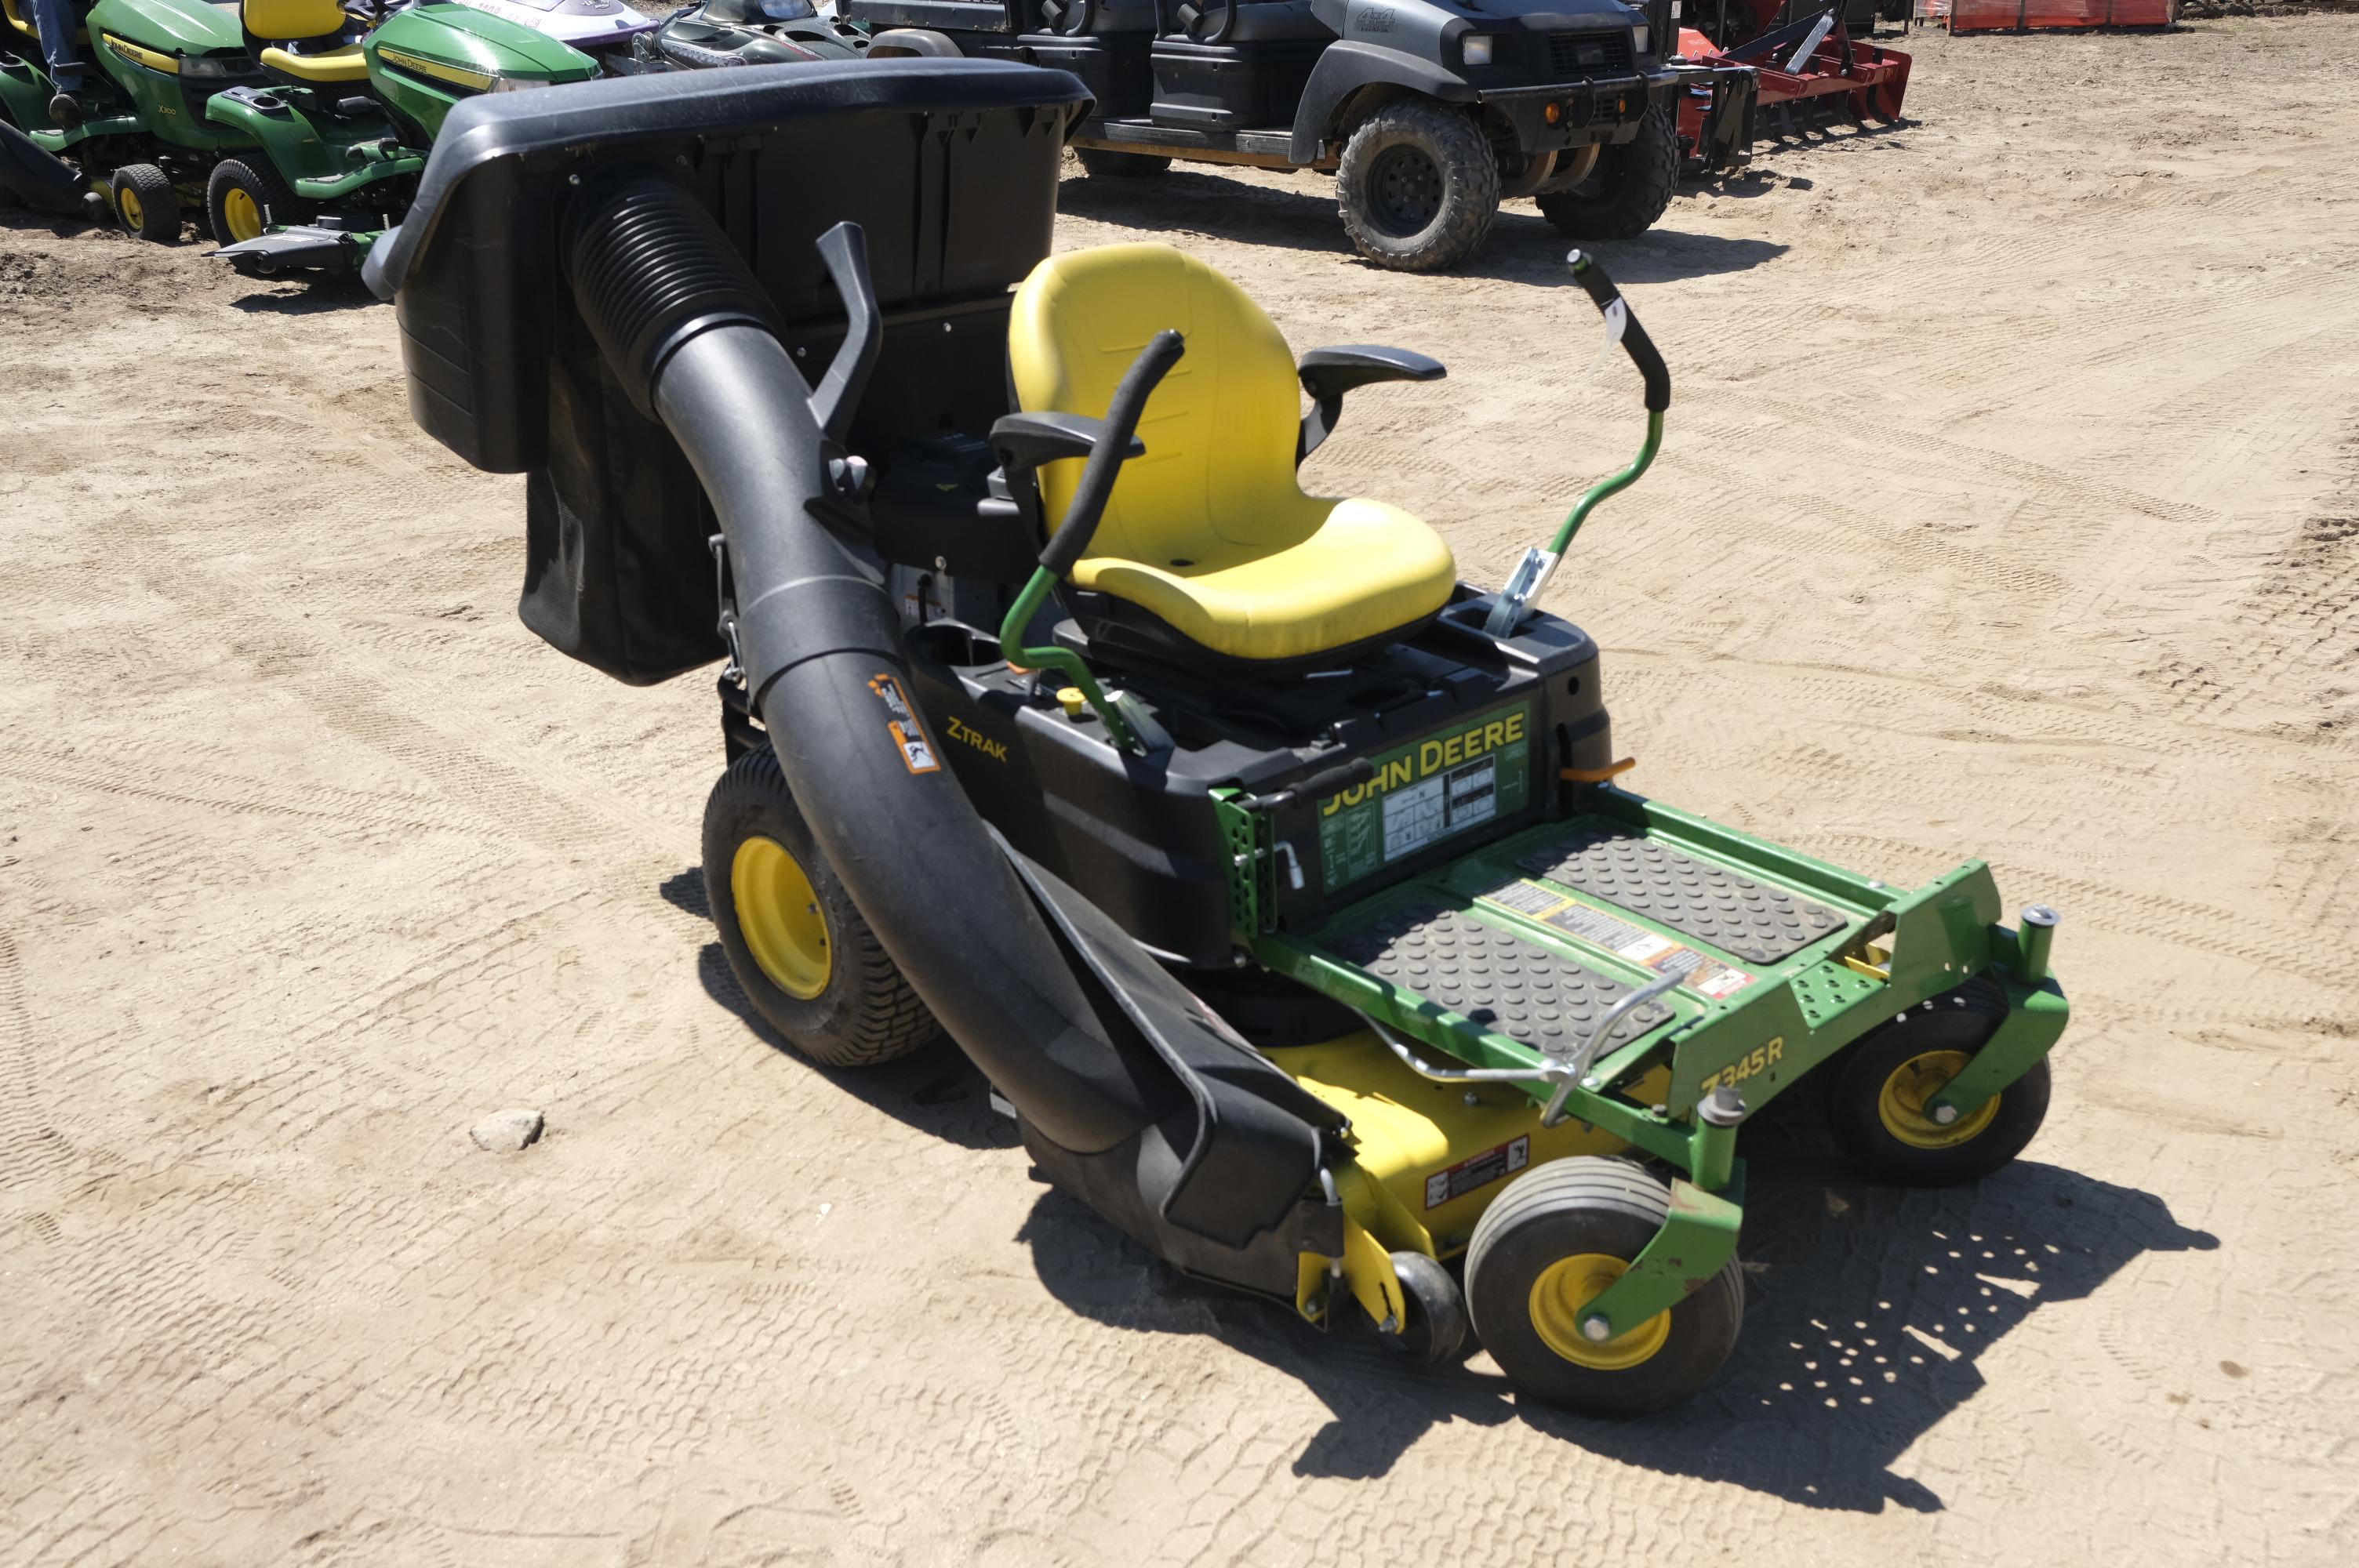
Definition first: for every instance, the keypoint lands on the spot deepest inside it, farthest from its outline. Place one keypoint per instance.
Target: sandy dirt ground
(2010, 507)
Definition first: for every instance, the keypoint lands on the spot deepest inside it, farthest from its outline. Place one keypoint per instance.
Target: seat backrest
(1220, 431)
(292, 19)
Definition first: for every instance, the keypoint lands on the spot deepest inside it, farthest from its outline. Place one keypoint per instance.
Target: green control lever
(1531, 573)
(1114, 445)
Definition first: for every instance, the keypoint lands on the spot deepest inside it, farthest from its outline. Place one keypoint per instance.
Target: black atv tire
(1104, 163)
(144, 203)
(858, 1010)
(1558, 1214)
(1867, 1102)
(257, 184)
(1628, 190)
(1417, 186)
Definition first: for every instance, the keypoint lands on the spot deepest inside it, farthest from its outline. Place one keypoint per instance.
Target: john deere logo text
(995, 750)
(1439, 754)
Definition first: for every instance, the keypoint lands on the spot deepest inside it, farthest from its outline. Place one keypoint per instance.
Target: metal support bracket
(1698, 1239)
(2036, 1016)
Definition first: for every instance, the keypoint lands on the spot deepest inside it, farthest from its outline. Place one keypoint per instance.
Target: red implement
(2058, 16)
(1804, 73)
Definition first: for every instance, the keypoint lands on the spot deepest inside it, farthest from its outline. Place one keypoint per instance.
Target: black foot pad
(1735, 914)
(1503, 983)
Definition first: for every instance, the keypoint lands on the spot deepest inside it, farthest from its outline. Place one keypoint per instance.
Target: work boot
(66, 110)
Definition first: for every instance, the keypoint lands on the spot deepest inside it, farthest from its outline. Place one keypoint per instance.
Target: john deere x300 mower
(1277, 880)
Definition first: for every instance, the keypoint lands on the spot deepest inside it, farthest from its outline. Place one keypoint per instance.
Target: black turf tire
(1960, 1021)
(277, 203)
(1104, 163)
(1460, 157)
(1433, 1330)
(159, 205)
(1627, 191)
(867, 1014)
(1590, 1203)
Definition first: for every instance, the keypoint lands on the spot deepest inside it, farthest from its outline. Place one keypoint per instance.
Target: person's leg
(58, 21)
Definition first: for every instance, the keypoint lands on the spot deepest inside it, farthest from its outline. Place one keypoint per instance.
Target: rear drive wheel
(795, 942)
(1550, 1245)
(1104, 163)
(1627, 190)
(1876, 1102)
(1433, 1330)
(145, 204)
(1417, 186)
(243, 200)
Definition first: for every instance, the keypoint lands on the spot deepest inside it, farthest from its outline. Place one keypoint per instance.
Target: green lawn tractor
(145, 147)
(345, 117)
(1278, 881)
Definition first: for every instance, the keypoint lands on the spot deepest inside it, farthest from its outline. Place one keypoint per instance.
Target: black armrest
(1328, 373)
(1025, 441)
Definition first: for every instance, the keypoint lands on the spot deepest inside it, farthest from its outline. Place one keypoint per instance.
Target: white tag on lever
(1617, 321)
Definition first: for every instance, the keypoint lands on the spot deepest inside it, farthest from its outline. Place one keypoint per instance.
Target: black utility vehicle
(1428, 113)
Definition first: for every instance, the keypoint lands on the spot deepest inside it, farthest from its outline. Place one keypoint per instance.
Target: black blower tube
(667, 296)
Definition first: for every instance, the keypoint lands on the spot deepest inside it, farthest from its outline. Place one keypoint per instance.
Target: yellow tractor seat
(1208, 544)
(274, 24)
(24, 23)
(334, 65)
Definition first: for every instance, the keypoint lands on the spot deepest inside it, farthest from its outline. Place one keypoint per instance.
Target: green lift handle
(1531, 573)
(1114, 444)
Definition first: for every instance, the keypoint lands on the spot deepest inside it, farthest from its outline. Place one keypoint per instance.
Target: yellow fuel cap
(1070, 700)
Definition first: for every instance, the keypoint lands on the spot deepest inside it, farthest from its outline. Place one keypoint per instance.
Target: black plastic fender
(1347, 67)
(42, 182)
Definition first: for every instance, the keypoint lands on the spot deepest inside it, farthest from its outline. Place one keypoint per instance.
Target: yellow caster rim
(1901, 1102)
(1562, 1294)
(126, 205)
(778, 914)
(241, 215)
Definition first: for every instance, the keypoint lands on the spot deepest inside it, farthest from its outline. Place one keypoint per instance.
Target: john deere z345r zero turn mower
(1277, 880)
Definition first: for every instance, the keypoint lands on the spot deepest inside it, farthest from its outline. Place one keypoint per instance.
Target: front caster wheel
(145, 202)
(801, 950)
(1877, 1100)
(1433, 1330)
(1549, 1247)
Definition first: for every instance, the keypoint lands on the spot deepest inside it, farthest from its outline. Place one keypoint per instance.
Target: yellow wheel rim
(242, 215)
(128, 204)
(777, 913)
(1901, 1102)
(1562, 1295)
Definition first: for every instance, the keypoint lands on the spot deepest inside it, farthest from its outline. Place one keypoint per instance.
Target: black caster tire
(795, 942)
(1875, 1102)
(1551, 1242)
(1627, 192)
(244, 200)
(1104, 163)
(144, 203)
(1417, 186)
(1434, 1328)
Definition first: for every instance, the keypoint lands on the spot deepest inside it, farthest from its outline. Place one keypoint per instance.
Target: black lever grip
(844, 248)
(1635, 341)
(1107, 458)
(1326, 780)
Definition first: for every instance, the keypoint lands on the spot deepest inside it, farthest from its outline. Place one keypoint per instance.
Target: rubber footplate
(1502, 982)
(1733, 912)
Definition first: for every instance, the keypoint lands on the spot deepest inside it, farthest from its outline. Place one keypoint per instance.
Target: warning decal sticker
(901, 723)
(1600, 928)
(1480, 1171)
(1474, 772)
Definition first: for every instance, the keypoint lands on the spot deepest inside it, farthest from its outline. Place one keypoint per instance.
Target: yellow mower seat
(1210, 533)
(303, 21)
(336, 65)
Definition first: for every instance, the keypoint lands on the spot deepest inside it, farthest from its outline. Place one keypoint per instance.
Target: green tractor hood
(461, 51)
(170, 27)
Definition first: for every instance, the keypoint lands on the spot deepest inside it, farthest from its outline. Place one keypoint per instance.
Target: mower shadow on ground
(1867, 1312)
(1523, 247)
(301, 296)
(935, 1091)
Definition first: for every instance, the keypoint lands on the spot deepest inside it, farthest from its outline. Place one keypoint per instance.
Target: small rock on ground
(505, 1132)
